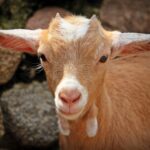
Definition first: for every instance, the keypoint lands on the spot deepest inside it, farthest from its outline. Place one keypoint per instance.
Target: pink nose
(69, 96)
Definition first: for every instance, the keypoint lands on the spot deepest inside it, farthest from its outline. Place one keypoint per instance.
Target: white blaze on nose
(73, 31)
(71, 82)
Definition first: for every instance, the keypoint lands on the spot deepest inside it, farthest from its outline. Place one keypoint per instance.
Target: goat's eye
(42, 57)
(103, 59)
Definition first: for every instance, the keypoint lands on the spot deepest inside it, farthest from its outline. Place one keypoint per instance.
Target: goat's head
(73, 55)
(74, 52)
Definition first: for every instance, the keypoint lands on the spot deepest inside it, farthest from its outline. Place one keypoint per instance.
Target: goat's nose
(69, 96)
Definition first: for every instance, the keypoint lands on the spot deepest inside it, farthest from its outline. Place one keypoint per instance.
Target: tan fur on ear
(131, 48)
(9, 42)
(136, 47)
(22, 40)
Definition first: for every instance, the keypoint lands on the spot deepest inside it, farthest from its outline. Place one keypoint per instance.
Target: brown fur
(136, 47)
(120, 87)
(123, 99)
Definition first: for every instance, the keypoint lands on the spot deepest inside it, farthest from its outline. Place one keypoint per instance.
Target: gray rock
(9, 62)
(126, 15)
(45, 15)
(29, 114)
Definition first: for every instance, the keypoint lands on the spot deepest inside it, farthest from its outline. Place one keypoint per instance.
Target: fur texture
(118, 88)
(123, 101)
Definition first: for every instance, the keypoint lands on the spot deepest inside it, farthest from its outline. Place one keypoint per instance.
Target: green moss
(14, 13)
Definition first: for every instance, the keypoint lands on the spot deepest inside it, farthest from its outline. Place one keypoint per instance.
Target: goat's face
(73, 52)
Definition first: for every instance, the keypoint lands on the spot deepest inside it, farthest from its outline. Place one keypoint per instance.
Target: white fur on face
(70, 31)
(71, 82)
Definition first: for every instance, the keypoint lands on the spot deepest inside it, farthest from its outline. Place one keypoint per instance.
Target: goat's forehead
(69, 29)
(73, 35)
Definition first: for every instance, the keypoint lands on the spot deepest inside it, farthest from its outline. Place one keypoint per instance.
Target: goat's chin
(70, 116)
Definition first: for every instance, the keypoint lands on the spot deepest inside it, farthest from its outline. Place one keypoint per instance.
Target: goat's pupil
(42, 57)
(103, 58)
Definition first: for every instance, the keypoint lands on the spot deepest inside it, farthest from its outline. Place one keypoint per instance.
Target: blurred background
(27, 111)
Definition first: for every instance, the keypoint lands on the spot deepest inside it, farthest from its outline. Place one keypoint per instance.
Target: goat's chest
(78, 139)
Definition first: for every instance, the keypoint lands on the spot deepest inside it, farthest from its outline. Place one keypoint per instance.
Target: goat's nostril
(76, 99)
(63, 98)
(69, 96)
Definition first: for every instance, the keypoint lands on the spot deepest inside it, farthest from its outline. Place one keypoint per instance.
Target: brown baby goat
(100, 81)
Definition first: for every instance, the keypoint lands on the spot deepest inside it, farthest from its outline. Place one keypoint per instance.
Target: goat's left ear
(22, 40)
(121, 39)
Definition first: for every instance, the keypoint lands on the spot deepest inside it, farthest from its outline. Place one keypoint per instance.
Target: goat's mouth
(70, 114)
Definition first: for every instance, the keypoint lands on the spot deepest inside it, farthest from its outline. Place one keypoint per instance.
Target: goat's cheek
(49, 77)
(92, 91)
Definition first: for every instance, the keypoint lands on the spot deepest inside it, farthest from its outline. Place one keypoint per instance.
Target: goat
(99, 78)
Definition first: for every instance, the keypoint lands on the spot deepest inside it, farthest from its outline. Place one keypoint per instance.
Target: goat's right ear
(22, 40)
